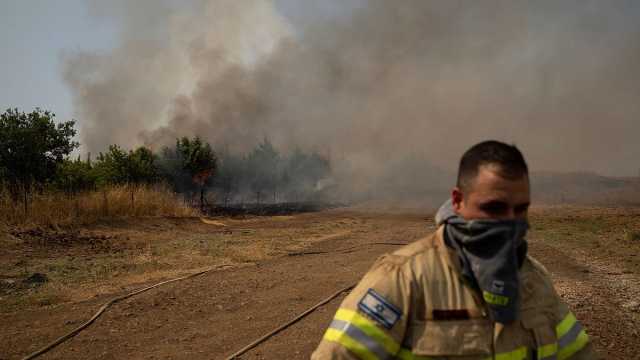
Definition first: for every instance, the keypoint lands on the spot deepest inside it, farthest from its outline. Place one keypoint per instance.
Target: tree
(303, 172)
(112, 167)
(136, 167)
(141, 166)
(263, 165)
(31, 148)
(230, 176)
(73, 176)
(171, 169)
(116, 166)
(189, 166)
(199, 161)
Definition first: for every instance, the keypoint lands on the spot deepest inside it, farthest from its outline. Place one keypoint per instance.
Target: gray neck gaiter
(490, 253)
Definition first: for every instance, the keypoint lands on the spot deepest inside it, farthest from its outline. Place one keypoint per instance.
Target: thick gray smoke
(392, 91)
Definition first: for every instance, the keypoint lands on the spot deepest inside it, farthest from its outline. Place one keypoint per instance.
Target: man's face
(490, 196)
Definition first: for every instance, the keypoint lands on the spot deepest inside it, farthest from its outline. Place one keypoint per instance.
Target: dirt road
(214, 315)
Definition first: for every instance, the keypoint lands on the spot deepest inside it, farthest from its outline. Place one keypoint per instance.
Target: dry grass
(603, 232)
(633, 236)
(105, 257)
(54, 208)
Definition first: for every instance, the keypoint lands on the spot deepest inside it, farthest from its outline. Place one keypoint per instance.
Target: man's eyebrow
(494, 200)
(494, 204)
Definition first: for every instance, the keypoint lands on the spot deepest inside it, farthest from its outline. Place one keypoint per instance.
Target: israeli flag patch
(374, 305)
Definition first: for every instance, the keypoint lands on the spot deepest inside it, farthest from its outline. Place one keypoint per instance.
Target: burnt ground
(279, 209)
(591, 253)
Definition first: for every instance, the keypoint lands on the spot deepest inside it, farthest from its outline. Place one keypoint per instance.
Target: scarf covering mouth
(490, 254)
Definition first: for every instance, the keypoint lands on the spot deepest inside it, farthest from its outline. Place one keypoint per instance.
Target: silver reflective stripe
(570, 336)
(361, 337)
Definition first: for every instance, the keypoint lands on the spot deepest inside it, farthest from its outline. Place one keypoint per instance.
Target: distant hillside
(584, 188)
(426, 187)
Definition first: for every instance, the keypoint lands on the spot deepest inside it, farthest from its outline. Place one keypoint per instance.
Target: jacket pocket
(541, 324)
(451, 337)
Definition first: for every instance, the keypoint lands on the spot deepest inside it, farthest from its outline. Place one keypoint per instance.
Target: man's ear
(456, 199)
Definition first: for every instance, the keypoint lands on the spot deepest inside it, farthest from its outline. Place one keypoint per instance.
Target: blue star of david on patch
(379, 309)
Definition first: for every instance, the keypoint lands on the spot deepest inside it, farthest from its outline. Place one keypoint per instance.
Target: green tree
(200, 162)
(190, 166)
(142, 167)
(112, 167)
(117, 166)
(31, 148)
(73, 176)
(136, 167)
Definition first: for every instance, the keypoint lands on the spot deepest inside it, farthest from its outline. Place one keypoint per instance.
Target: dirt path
(602, 295)
(214, 315)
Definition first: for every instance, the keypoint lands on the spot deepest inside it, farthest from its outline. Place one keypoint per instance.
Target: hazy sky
(411, 82)
(35, 35)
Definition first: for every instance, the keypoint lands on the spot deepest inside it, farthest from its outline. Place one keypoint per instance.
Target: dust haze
(391, 91)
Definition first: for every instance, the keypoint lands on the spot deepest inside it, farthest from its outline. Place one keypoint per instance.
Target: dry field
(52, 279)
(57, 209)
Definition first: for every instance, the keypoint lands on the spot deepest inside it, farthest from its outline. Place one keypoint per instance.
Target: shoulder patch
(378, 308)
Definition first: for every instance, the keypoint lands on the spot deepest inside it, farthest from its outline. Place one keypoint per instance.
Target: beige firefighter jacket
(413, 304)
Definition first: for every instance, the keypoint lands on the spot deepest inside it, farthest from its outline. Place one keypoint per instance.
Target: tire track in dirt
(214, 315)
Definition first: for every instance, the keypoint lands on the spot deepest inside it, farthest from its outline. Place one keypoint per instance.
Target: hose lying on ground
(311, 309)
(293, 321)
(104, 307)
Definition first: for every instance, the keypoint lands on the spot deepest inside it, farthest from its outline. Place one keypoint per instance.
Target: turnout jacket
(414, 304)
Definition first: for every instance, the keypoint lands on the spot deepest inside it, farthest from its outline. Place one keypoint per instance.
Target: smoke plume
(392, 91)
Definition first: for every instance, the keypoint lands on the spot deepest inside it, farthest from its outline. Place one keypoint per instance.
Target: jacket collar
(446, 253)
(451, 259)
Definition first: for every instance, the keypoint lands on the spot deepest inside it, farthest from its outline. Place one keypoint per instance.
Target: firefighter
(467, 291)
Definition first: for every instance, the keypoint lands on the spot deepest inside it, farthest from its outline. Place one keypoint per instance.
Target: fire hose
(286, 325)
(257, 342)
(104, 307)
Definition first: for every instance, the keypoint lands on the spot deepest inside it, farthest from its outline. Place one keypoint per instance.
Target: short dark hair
(508, 158)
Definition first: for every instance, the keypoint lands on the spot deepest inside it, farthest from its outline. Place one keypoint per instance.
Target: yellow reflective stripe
(405, 354)
(517, 354)
(569, 350)
(370, 328)
(564, 328)
(565, 325)
(546, 351)
(350, 344)
(495, 299)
